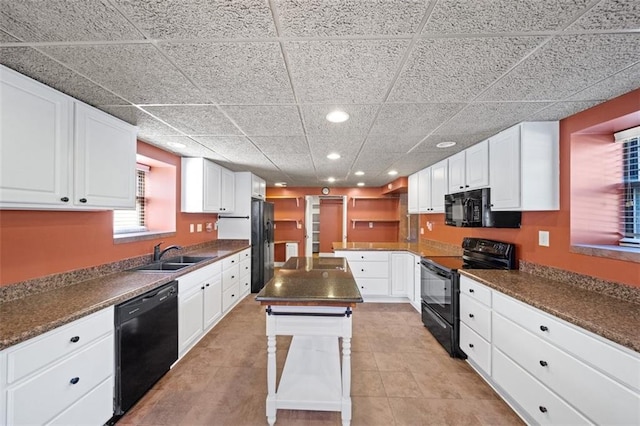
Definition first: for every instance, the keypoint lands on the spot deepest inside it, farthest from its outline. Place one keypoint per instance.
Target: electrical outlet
(543, 238)
(191, 227)
(370, 224)
(199, 227)
(421, 231)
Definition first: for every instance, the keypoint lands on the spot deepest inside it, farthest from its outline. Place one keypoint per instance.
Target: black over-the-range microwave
(473, 209)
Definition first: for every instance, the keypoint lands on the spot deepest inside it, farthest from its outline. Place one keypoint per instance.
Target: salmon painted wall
(38, 243)
(617, 114)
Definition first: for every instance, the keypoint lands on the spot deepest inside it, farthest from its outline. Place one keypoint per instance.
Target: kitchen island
(311, 299)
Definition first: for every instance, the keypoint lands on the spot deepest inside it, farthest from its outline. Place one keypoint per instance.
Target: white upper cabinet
(413, 193)
(258, 187)
(524, 167)
(469, 169)
(58, 153)
(424, 190)
(432, 186)
(206, 187)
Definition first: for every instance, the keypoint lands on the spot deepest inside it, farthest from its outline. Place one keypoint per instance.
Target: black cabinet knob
(543, 363)
(542, 409)
(461, 187)
(75, 339)
(83, 200)
(201, 288)
(233, 276)
(74, 380)
(544, 328)
(471, 290)
(470, 345)
(471, 315)
(233, 295)
(207, 285)
(64, 199)
(362, 270)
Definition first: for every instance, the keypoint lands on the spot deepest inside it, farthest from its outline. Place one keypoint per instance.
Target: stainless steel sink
(189, 259)
(162, 267)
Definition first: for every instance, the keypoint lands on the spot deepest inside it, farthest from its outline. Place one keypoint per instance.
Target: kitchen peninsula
(311, 299)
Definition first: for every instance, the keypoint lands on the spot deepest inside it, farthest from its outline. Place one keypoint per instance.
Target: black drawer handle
(75, 339)
(470, 345)
(471, 290)
(83, 200)
(233, 295)
(74, 380)
(544, 328)
(207, 285)
(543, 363)
(542, 408)
(471, 315)
(64, 199)
(201, 288)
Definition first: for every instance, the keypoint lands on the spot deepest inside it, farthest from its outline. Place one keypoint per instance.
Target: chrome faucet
(157, 254)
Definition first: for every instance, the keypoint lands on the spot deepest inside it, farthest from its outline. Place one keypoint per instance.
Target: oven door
(437, 290)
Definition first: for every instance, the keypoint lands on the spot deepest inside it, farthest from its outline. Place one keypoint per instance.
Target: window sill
(141, 236)
(627, 254)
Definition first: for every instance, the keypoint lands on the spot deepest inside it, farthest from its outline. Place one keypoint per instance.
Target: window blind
(630, 200)
(128, 221)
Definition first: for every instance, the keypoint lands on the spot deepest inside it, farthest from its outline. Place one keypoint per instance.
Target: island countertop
(322, 281)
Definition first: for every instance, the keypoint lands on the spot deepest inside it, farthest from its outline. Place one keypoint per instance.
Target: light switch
(370, 224)
(199, 227)
(191, 227)
(543, 238)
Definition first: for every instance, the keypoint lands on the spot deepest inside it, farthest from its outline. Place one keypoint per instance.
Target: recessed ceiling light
(360, 183)
(392, 172)
(447, 144)
(176, 145)
(333, 156)
(331, 179)
(337, 116)
(280, 184)
(359, 173)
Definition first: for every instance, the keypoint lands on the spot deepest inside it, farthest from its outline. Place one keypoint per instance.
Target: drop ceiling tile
(489, 117)
(562, 110)
(6, 38)
(415, 161)
(191, 148)
(457, 69)
(237, 149)
(346, 146)
(312, 18)
(359, 122)
(281, 146)
(618, 84)
(266, 120)
(293, 163)
(149, 126)
(350, 71)
(195, 119)
(235, 73)
(567, 64)
(500, 16)
(382, 144)
(63, 20)
(412, 119)
(372, 163)
(138, 73)
(34, 64)
(462, 141)
(190, 19)
(610, 15)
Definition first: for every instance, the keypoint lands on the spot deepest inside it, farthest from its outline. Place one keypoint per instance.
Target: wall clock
(325, 191)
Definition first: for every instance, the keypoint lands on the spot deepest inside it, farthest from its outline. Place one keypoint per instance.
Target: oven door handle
(436, 272)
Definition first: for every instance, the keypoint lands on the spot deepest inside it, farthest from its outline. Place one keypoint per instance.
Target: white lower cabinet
(230, 282)
(402, 274)
(245, 272)
(65, 376)
(199, 304)
(550, 371)
(370, 269)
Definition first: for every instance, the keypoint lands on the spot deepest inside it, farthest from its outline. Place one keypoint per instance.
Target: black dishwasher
(146, 343)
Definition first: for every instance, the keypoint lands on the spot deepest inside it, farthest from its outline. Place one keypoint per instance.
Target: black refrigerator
(261, 244)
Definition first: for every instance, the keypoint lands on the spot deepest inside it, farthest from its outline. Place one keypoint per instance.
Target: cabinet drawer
(230, 296)
(477, 349)
(540, 404)
(366, 256)
(53, 391)
(245, 267)
(245, 284)
(369, 269)
(373, 286)
(230, 277)
(475, 290)
(95, 408)
(230, 261)
(245, 254)
(617, 363)
(601, 399)
(38, 352)
(475, 315)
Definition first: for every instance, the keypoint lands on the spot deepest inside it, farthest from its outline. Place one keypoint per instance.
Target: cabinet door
(401, 274)
(504, 169)
(212, 183)
(457, 170)
(258, 187)
(227, 191)
(105, 160)
(35, 140)
(417, 276)
(190, 313)
(212, 308)
(424, 188)
(477, 165)
(413, 189)
(439, 186)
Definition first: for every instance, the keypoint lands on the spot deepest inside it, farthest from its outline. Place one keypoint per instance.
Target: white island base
(312, 378)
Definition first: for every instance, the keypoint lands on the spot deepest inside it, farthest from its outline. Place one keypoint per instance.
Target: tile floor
(400, 376)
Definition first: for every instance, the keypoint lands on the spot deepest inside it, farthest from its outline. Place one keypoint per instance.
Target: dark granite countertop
(312, 281)
(30, 316)
(609, 317)
(419, 249)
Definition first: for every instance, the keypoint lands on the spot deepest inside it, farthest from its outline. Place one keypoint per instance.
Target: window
(130, 221)
(630, 208)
